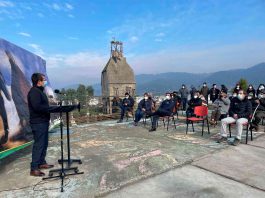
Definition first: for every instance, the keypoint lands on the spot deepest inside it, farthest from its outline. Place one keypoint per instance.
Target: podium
(62, 172)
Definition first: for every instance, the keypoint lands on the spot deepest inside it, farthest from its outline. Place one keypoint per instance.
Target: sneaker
(222, 139)
(152, 129)
(236, 142)
(120, 121)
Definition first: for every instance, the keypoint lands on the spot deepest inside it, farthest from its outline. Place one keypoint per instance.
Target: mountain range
(163, 82)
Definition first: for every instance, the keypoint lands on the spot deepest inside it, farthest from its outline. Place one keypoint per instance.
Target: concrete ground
(121, 160)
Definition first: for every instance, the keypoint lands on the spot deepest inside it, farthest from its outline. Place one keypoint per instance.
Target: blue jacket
(146, 104)
(167, 105)
(243, 108)
(129, 102)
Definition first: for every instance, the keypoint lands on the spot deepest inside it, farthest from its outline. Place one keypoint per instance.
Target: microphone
(57, 91)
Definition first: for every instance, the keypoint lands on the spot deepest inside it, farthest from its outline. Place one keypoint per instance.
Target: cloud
(72, 38)
(71, 16)
(134, 39)
(55, 6)
(200, 60)
(158, 40)
(40, 15)
(6, 4)
(37, 49)
(81, 67)
(24, 34)
(69, 6)
(161, 34)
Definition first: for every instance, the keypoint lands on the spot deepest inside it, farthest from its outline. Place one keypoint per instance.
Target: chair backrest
(201, 111)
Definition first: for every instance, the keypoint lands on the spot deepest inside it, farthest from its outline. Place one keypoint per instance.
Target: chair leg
(251, 137)
(247, 135)
(229, 126)
(173, 119)
(167, 122)
(208, 126)
(187, 127)
(202, 127)
(192, 126)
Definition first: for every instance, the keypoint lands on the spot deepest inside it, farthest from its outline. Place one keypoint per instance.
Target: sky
(159, 36)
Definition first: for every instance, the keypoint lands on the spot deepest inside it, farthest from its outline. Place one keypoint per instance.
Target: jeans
(40, 145)
(239, 126)
(124, 109)
(184, 103)
(157, 114)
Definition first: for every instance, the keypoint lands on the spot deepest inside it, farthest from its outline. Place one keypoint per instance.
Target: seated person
(253, 100)
(234, 95)
(144, 107)
(221, 106)
(165, 109)
(260, 113)
(193, 102)
(177, 101)
(126, 105)
(239, 112)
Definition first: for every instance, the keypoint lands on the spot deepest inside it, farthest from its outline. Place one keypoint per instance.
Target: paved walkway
(119, 158)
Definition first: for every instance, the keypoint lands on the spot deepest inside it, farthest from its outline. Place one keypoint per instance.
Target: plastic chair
(201, 114)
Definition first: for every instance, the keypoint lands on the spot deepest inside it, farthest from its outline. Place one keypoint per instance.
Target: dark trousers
(40, 145)
(184, 103)
(190, 112)
(157, 114)
(124, 109)
(258, 116)
(139, 114)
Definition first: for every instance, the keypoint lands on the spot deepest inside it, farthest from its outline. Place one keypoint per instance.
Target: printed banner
(16, 67)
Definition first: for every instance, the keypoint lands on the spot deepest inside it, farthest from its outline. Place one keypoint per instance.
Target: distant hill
(160, 83)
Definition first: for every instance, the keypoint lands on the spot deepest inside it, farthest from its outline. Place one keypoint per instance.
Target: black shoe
(120, 121)
(236, 142)
(152, 129)
(222, 139)
(135, 123)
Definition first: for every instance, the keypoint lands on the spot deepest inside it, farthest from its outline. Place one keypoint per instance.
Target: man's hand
(143, 109)
(257, 101)
(235, 116)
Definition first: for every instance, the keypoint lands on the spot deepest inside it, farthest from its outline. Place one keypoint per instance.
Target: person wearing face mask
(253, 100)
(260, 113)
(205, 91)
(251, 90)
(221, 106)
(184, 93)
(214, 93)
(126, 105)
(260, 89)
(39, 121)
(144, 107)
(239, 112)
(237, 88)
(234, 95)
(165, 109)
(193, 102)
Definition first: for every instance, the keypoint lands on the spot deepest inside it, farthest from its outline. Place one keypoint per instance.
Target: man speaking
(39, 121)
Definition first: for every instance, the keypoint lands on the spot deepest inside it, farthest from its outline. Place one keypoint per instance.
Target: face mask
(204, 85)
(249, 97)
(183, 87)
(214, 87)
(237, 87)
(127, 97)
(234, 95)
(195, 97)
(45, 83)
(250, 87)
(146, 97)
(168, 97)
(261, 87)
(240, 97)
(260, 96)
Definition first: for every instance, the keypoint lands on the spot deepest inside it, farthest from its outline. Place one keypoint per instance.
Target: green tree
(70, 94)
(243, 83)
(81, 94)
(90, 90)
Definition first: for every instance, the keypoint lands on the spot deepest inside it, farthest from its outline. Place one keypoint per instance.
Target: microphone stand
(62, 171)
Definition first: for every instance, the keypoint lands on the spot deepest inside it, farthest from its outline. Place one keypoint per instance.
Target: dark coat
(38, 106)
(146, 104)
(194, 102)
(214, 93)
(167, 105)
(205, 92)
(129, 102)
(243, 108)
